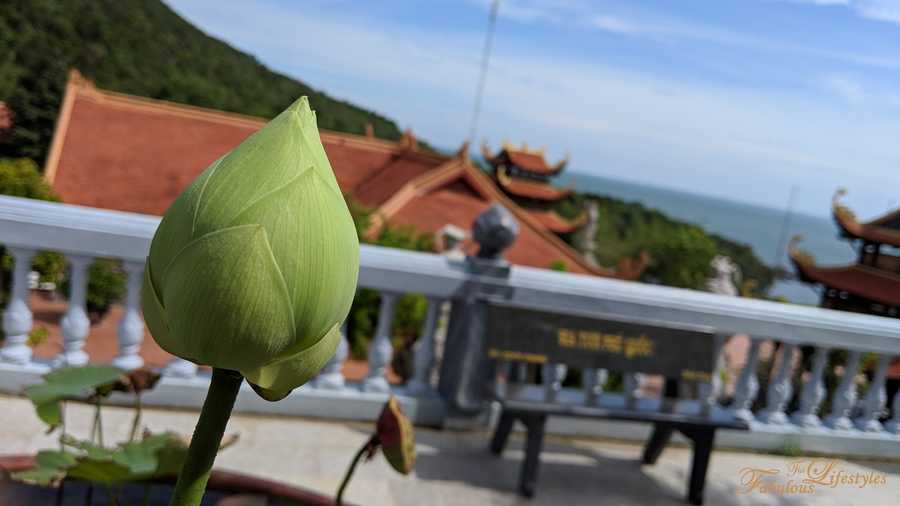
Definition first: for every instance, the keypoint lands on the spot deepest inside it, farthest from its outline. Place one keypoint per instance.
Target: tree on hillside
(143, 48)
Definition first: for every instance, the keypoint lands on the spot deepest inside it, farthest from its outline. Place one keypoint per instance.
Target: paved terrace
(454, 468)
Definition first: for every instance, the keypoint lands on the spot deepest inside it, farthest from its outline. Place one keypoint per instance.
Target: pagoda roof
(557, 223)
(127, 153)
(522, 187)
(882, 230)
(861, 280)
(531, 160)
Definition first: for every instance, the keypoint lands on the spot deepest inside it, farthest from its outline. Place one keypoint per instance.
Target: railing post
(331, 377)
(780, 388)
(75, 324)
(594, 380)
(381, 349)
(423, 360)
(553, 375)
(845, 395)
(465, 366)
(747, 384)
(893, 425)
(131, 328)
(17, 319)
(813, 392)
(874, 401)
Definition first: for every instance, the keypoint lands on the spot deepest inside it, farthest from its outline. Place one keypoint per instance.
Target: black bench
(699, 430)
(679, 353)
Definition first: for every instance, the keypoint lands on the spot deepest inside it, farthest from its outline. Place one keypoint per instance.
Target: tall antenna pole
(485, 59)
(785, 225)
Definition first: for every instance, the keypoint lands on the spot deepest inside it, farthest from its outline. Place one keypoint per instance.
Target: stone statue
(726, 274)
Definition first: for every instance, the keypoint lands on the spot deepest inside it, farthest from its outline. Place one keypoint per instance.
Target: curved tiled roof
(531, 160)
(882, 230)
(860, 280)
(521, 187)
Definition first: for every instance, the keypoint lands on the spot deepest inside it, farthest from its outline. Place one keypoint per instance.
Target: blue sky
(735, 99)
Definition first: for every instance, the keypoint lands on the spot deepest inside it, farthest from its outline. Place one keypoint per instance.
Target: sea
(766, 230)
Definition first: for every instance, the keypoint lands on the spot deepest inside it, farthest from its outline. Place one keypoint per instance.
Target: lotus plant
(251, 272)
(394, 435)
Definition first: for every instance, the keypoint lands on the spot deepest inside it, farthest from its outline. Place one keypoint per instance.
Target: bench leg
(535, 440)
(703, 443)
(662, 433)
(501, 433)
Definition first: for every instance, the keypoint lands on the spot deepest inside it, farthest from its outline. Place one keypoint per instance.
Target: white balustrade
(552, 376)
(845, 395)
(893, 425)
(813, 392)
(17, 319)
(874, 401)
(632, 382)
(423, 359)
(594, 381)
(75, 324)
(747, 384)
(780, 388)
(131, 328)
(381, 350)
(331, 377)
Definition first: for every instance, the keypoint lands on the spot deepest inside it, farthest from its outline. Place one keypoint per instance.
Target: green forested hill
(143, 48)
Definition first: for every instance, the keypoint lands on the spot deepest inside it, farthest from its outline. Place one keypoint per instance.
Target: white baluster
(75, 324)
(844, 396)
(381, 349)
(747, 384)
(632, 382)
(709, 391)
(813, 392)
(875, 399)
(780, 388)
(553, 376)
(331, 377)
(180, 368)
(502, 379)
(423, 361)
(17, 319)
(893, 425)
(594, 380)
(131, 328)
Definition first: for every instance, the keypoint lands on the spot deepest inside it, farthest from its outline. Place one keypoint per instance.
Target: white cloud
(845, 87)
(878, 10)
(742, 144)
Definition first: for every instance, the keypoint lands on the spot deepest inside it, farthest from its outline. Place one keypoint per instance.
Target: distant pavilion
(872, 284)
(524, 176)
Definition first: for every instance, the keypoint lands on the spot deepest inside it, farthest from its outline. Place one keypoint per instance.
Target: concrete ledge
(349, 403)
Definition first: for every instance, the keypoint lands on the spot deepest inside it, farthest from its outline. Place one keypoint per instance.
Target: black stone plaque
(524, 335)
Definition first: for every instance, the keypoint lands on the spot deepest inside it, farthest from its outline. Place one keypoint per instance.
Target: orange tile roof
(860, 280)
(557, 223)
(521, 187)
(882, 230)
(531, 160)
(127, 153)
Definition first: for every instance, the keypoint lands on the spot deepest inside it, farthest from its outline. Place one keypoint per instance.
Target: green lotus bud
(395, 434)
(253, 268)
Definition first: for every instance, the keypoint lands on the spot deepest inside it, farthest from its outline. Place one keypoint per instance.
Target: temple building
(525, 177)
(116, 151)
(872, 284)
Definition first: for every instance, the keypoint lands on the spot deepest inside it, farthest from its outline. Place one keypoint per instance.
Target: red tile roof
(861, 280)
(882, 230)
(521, 187)
(557, 223)
(531, 160)
(121, 152)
